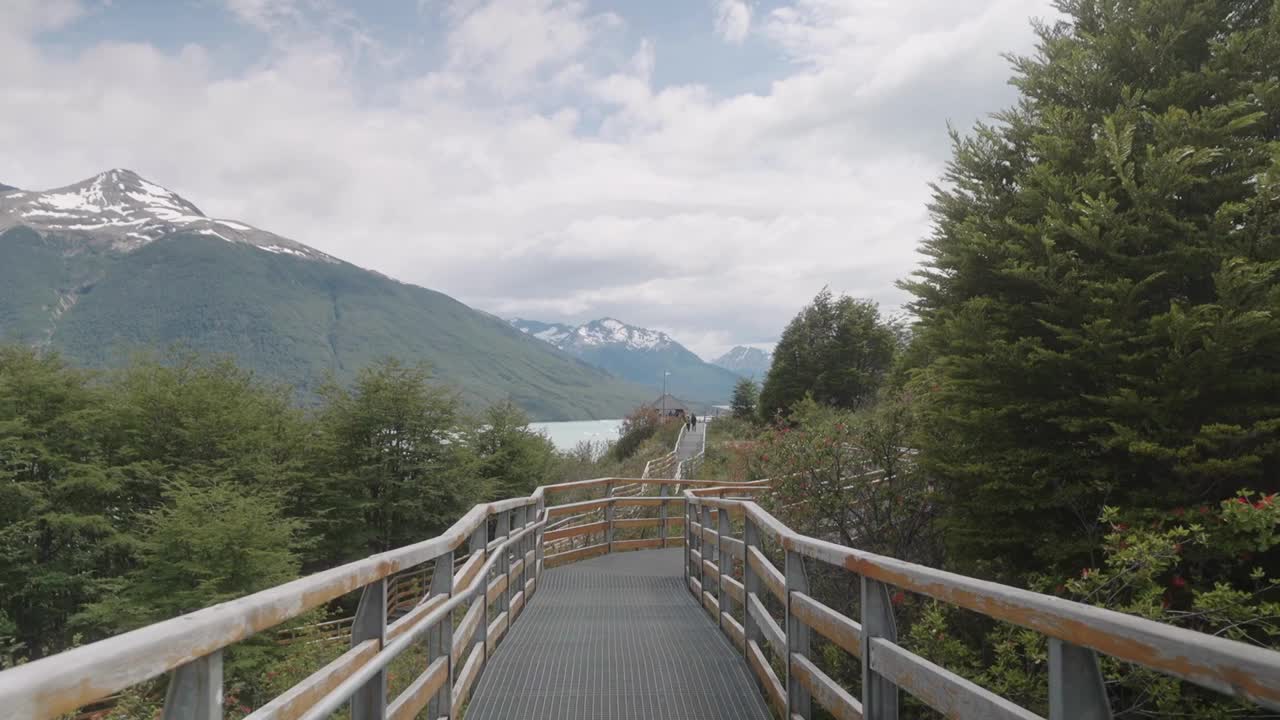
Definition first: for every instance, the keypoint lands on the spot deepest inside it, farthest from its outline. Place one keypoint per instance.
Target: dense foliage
(1100, 308)
(848, 476)
(837, 350)
(177, 482)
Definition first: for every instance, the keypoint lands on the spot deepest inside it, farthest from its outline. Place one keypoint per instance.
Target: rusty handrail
(191, 646)
(1077, 631)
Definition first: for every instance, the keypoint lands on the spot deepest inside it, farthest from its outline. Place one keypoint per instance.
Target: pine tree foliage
(746, 397)
(1100, 305)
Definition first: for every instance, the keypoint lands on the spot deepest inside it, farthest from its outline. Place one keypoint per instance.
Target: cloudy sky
(699, 166)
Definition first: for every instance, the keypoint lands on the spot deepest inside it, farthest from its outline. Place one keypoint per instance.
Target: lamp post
(665, 373)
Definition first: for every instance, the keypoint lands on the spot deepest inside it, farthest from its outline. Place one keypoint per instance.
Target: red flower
(1177, 512)
(899, 598)
(1204, 510)
(1242, 501)
(1178, 582)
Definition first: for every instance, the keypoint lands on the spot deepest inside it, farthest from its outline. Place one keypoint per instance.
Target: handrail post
(752, 584)
(608, 516)
(480, 544)
(195, 690)
(724, 563)
(370, 701)
(440, 638)
(540, 514)
(522, 519)
(1076, 688)
(503, 532)
(662, 512)
(798, 703)
(702, 546)
(879, 695)
(688, 544)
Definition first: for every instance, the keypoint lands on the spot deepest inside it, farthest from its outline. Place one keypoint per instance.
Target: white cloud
(509, 42)
(265, 14)
(733, 20)
(712, 217)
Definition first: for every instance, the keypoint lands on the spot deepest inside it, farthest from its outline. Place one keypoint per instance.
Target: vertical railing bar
(752, 583)
(479, 543)
(195, 690)
(503, 568)
(724, 563)
(1076, 688)
(370, 701)
(662, 513)
(879, 695)
(798, 701)
(440, 638)
(609, 514)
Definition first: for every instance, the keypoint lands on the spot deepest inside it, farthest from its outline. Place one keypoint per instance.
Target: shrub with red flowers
(1211, 570)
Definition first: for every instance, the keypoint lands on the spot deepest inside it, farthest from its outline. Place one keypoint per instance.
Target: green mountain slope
(291, 318)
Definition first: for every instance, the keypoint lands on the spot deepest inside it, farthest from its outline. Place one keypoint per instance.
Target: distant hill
(748, 362)
(114, 264)
(637, 354)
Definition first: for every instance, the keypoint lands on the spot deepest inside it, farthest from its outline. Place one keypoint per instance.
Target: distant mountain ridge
(746, 361)
(115, 264)
(638, 354)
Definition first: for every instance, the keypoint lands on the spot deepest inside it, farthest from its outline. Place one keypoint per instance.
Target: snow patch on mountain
(608, 331)
(597, 333)
(123, 212)
(746, 361)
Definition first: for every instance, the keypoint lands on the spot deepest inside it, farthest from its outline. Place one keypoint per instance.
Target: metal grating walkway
(617, 637)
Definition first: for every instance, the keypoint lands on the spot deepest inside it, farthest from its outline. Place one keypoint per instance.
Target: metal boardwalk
(617, 638)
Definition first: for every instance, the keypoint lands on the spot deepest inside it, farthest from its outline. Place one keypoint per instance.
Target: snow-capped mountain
(596, 334)
(554, 333)
(120, 211)
(608, 331)
(638, 354)
(746, 361)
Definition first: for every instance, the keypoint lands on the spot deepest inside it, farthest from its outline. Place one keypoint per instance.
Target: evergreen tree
(835, 349)
(1099, 314)
(745, 398)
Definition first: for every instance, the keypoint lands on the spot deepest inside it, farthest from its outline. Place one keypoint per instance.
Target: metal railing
(499, 573)
(665, 466)
(733, 578)
(600, 525)
(495, 555)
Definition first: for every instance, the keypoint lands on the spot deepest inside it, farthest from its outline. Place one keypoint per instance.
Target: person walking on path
(694, 420)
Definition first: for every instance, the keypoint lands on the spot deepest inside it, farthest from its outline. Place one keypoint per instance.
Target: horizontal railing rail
(491, 578)
(735, 580)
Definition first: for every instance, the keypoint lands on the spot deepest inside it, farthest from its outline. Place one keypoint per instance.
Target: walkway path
(618, 637)
(692, 441)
